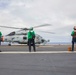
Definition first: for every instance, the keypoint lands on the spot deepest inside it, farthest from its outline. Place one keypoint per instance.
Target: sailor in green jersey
(0, 37)
(31, 39)
(73, 34)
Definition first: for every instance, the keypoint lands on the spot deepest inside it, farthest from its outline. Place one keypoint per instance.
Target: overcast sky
(61, 14)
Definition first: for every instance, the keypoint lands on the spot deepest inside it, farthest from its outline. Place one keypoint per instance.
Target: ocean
(59, 43)
(49, 43)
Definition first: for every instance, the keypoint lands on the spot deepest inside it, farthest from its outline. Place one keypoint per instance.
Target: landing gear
(9, 44)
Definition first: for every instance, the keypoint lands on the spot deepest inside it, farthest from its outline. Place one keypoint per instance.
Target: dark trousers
(0, 41)
(73, 41)
(31, 42)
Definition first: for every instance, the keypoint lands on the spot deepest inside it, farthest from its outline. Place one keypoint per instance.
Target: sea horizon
(48, 43)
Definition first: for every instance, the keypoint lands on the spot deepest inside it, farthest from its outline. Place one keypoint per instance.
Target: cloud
(28, 13)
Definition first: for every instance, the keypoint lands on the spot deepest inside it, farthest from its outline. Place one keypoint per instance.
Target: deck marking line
(19, 52)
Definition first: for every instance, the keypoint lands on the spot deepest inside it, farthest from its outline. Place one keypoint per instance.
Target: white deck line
(38, 52)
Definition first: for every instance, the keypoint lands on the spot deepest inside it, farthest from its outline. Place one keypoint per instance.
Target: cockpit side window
(11, 34)
(24, 38)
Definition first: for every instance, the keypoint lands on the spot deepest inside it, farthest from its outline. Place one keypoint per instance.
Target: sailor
(73, 34)
(0, 37)
(31, 39)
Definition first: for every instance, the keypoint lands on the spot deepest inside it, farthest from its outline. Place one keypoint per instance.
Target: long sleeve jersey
(73, 34)
(30, 34)
(0, 34)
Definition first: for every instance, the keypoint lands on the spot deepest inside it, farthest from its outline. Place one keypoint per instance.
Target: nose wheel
(9, 44)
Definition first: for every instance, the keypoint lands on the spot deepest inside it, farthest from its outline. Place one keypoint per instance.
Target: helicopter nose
(43, 40)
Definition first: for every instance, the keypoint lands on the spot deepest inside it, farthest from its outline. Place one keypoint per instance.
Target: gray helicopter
(20, 36)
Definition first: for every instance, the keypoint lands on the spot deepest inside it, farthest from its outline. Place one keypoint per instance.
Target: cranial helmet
(31, 28)
(74, 28)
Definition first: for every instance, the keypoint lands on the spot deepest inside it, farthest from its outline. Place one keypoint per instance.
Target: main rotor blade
(26, 28)
(10, 27)
(47, 32)
(42, 25)
(14, 27)
(36, 26)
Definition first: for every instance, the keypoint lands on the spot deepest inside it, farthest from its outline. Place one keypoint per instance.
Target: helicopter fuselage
(22, 39)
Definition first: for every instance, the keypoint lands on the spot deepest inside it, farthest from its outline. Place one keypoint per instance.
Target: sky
(61, 14)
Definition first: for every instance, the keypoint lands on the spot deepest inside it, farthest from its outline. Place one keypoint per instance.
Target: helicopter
(20, 36)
